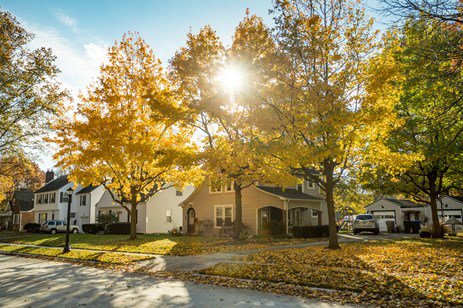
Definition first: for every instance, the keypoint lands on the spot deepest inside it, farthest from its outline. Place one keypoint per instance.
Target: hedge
(118, 228)
(93, 228)
(31, 227)
(310, 231)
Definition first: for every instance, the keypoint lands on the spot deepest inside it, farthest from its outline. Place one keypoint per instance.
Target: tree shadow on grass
(335, 270)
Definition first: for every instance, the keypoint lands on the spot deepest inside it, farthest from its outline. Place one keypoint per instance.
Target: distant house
(85, 201)
(396, 210)
(400, 210)
(160, 214)
(51, 201)
(448, 206)
(21, 201)
(213, 208)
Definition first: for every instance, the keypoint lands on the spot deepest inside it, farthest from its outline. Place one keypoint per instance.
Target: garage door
(382, 217)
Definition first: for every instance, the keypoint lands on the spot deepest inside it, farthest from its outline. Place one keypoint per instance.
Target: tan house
(212, 209)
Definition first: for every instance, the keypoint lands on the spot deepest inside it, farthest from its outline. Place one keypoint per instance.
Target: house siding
(253, 199)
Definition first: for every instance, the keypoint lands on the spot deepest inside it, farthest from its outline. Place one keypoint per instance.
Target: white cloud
(79, 63)
(96, 53)
(66, 20)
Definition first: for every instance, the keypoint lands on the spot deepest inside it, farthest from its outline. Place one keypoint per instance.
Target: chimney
(49, 176)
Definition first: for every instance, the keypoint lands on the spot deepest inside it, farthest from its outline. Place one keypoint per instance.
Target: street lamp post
(67, 246)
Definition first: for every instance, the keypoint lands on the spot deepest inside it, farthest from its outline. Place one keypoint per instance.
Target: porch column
(286, 215)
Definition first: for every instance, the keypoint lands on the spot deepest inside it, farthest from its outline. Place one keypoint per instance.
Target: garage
(383, 217)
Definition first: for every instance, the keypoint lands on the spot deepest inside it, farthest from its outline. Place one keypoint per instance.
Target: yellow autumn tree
(216, 84)
(127, 132)
(317, 103)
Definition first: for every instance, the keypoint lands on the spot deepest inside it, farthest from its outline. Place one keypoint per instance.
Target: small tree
(126, 133)
(107, 218)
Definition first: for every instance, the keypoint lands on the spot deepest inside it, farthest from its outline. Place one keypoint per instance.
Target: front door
(190, 221)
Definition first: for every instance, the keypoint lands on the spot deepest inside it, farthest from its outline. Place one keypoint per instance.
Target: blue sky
(80, 31)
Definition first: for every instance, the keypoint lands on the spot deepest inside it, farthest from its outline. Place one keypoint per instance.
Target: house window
(229, 187)
(215, 187)
(168, 215)
(314, 213)
(52, 197)
(178, 193)
(15, 219)
(299, 187)
(63, 197)
(223, 215)
(73, 215)
(83, 200)
(52, 216)
(40, 198)
(310, 184)
(45, 198)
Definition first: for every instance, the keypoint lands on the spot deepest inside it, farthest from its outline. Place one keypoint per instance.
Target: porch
(285, 217)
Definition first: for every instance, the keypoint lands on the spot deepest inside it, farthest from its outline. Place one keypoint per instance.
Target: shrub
(108, 218)
(310, 231)
(117, 228)
(93, 228)
(274, 229)
(31, 227)
(425, 234)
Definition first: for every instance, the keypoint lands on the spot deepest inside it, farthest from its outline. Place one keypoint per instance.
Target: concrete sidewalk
(201, 262)
(37, 283)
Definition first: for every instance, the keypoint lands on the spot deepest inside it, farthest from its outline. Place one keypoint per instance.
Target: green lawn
(83, 255)
(380, 273)
(153, 244)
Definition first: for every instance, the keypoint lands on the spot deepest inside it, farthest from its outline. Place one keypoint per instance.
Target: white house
(160, 214)
(85, 201)
(51, 201)
(396, 210)
(390, 209)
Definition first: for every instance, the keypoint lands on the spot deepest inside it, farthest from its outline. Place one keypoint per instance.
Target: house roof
(87, 189)
(288, 193)
(55, 184)
(404, 203)
(459, 198)
(25, 199)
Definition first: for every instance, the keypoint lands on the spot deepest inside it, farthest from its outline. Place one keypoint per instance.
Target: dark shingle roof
(25, 199)
(459, 198)
(87, 189)
(403, 203)
(288, 193)
(55, 184)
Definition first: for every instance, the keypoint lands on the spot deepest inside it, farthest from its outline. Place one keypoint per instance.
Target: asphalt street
(28, 282)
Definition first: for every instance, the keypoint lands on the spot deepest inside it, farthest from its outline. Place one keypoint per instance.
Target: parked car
(55, 226)
(366, 222)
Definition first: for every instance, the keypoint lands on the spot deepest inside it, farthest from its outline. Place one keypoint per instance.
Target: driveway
(37, 283)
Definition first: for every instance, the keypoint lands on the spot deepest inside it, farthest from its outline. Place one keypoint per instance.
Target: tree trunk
(238, 212)
(133, 222)
(433, 194)
(329, 191)
(436, 227)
